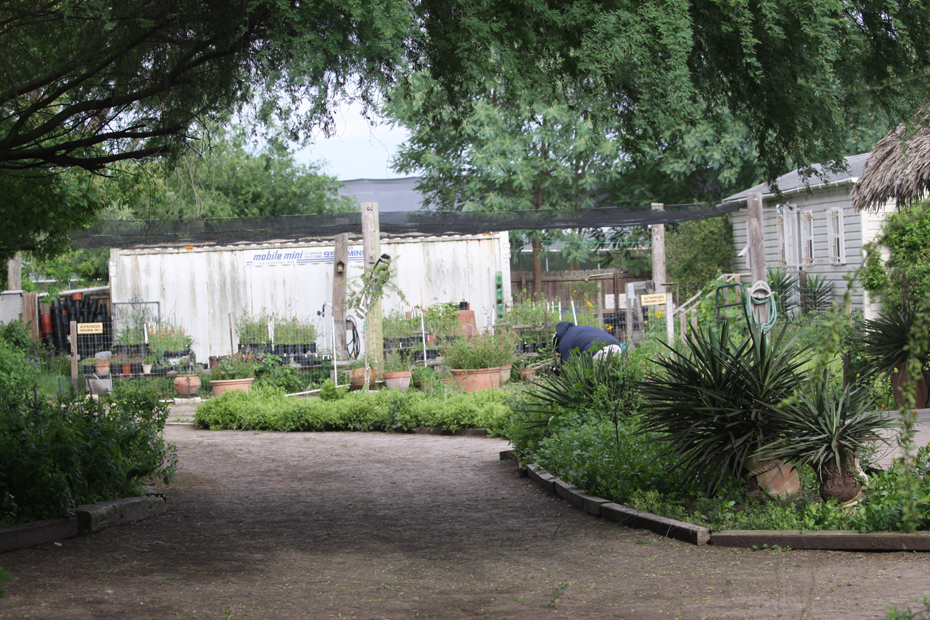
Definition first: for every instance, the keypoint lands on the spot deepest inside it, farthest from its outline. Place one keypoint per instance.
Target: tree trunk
(839, 483)
(537, 268)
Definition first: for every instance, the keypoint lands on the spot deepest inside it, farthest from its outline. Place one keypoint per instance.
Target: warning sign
(653, 300)
(90, 328)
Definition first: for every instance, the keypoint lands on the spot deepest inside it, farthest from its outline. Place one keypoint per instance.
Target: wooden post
(31, 315)
(371, 239)
(14, 273)
(74, 355)
(757, 251)
(600, 303)
(658, 252)
(669, 317)
(340, 271)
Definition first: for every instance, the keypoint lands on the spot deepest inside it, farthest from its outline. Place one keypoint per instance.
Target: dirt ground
(367, 525)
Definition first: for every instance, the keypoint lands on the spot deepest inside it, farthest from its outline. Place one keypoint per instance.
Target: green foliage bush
(904, 278)
(385, 410)
(57, 454)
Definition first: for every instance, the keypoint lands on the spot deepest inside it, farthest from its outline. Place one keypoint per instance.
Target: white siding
(819, 201)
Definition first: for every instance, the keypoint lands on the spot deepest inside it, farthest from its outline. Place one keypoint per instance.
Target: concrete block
(563, 489)
(671, 528)
(508, 455)
(835, 540)
(588, 503)
(37, 533)
(96, 517)
(472, 432)
(539, 475)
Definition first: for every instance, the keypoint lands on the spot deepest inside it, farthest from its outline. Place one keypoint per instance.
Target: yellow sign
(90, 328)
(653, 300)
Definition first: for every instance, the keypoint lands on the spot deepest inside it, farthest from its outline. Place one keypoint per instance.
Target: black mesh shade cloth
(223, 231)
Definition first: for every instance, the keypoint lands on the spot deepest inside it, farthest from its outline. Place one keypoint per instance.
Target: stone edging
(827, 540)
(88, 519)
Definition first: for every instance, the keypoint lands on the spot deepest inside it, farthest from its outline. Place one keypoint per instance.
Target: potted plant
(827, 427)
(883, 350)
(236, 372)
(477, 360)
(294, 337)
(396, 372)
(187, 382)
(253, 331)
(170, 338)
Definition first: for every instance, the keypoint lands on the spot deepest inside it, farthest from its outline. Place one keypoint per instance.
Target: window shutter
(791, 237)
(780, 239)
(807, 238)
(836, 236)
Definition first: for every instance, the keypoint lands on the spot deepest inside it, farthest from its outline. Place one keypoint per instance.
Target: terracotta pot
(187, 385)
(357, 378)
(102, 368)
(399, 381)
(527, 375)
(221, 386)
(127, 369)
(921, 396)
(505, 374)
(477, 379)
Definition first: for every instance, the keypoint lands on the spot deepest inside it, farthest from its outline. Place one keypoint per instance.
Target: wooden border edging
(88, 519)
(824, 540)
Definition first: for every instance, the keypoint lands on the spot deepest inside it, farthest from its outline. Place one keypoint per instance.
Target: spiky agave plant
(713, 398)
(826, 426)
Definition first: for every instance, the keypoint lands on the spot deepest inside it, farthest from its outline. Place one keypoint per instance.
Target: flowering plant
(167, 336)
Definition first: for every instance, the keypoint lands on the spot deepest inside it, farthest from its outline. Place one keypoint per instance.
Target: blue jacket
(581, 337)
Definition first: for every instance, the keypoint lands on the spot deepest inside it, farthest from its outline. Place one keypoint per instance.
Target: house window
(789, 243)
(835, 236)
(780, 237)
(807, 237)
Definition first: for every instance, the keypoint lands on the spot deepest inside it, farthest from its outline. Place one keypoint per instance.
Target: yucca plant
(885, 349)
(784, 285)
(826, 427)
(816, 294)
(713, 397)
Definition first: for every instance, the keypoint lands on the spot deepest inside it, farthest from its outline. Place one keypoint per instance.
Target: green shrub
(386, 410)
(55, 455)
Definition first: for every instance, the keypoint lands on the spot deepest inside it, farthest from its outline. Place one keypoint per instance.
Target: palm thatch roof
(898, 169)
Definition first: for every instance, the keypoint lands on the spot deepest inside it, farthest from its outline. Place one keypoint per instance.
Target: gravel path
(369, 525)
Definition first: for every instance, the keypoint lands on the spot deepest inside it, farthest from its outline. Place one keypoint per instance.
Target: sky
(356, 150)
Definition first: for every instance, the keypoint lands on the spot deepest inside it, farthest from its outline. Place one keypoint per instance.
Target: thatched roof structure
(898, 169)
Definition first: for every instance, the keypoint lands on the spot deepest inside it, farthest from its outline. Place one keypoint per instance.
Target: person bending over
(585, 339)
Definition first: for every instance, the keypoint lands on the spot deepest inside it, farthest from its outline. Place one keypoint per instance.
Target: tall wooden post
(340, 271)
(14, 273)
(757, 251)
(371, 239)
(74, 354)
(658, 252)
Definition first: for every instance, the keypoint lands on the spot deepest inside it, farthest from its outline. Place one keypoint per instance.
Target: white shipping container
(206, 288)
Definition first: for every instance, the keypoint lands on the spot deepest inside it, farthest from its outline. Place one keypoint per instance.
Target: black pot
(160, 370)
(136, 368)
(88, 369)
(116, 369)
(122, 350)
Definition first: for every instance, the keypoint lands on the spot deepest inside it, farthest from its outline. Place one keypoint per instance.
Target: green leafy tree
(696, 252)
(87, 83)
(513, 151)
(903, 277)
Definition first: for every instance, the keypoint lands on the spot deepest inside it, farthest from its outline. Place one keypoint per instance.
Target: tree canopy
(87, 83)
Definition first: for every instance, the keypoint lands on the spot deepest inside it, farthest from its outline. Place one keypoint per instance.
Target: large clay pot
(221, 386)
(357, 379)
(505, 374)
(399, 381)
(899, 377)
(477, 379)
(187, 385)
